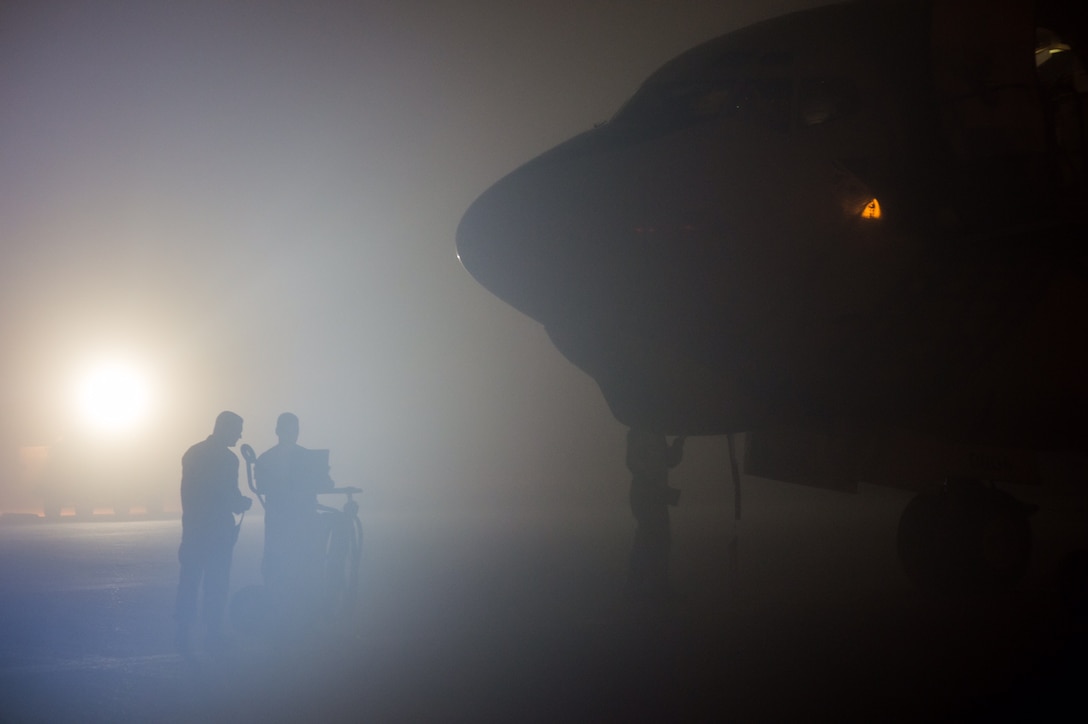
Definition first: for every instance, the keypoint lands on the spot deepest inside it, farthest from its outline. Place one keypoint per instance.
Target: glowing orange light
(871, 210)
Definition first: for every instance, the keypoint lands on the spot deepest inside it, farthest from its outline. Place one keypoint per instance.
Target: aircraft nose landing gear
(969, 538)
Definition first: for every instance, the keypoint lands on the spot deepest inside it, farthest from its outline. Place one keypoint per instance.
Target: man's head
(287, 427)
(228, 428)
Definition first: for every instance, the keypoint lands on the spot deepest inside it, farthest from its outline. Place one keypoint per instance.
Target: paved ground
(512, 617)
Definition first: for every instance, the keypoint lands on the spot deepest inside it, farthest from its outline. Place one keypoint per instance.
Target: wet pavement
(503, 616)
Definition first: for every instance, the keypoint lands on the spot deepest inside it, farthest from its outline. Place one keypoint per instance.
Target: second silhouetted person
(289, 477)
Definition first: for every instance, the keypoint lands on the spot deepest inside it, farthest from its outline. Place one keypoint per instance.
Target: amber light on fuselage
(871, 210)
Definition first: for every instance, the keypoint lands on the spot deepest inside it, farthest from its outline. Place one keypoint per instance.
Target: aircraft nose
(540, 238)
(498, 244)
(626, 273)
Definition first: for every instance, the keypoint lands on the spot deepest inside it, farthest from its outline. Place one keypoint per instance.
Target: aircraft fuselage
(785, 227)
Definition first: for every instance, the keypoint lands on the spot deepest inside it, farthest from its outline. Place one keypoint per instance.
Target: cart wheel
(342, 561)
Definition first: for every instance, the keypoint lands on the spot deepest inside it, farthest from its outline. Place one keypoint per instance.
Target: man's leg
(188, 586)
(268, 553)
(304, 563)
(321, 575)
(277, 546)
(217, 588)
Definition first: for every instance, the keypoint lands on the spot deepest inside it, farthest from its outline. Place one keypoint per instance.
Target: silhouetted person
(209, 499)
(649, 458)
(294, 536)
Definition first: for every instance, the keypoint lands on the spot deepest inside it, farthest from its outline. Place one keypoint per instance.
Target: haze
(253, 204)
(258, 202)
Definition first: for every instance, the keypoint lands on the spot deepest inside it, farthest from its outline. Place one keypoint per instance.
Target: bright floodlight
(113, 396)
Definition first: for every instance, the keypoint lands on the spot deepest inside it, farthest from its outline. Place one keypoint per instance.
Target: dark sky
(258, 201)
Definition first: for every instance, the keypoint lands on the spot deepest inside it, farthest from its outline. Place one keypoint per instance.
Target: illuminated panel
(871, 210)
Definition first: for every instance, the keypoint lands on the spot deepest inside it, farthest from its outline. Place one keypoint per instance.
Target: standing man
(290, 477)
(209, 499)
(649, 458)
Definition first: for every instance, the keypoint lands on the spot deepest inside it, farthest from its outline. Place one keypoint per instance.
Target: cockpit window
(667, 107)
(714, 81)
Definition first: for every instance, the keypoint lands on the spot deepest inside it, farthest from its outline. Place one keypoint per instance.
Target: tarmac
(509, 615)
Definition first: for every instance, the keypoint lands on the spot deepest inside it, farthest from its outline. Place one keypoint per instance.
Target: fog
(258, 202)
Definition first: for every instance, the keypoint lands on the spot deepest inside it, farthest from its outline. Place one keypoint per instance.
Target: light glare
(113, 396)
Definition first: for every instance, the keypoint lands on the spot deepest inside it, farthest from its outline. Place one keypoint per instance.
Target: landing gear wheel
(967, 539)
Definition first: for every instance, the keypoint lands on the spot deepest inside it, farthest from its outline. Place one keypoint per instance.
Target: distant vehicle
(856, 233)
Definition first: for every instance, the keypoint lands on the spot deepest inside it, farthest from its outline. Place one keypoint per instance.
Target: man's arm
(239, 503)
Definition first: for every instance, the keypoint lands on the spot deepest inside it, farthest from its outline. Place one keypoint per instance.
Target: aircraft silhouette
(855, 232)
